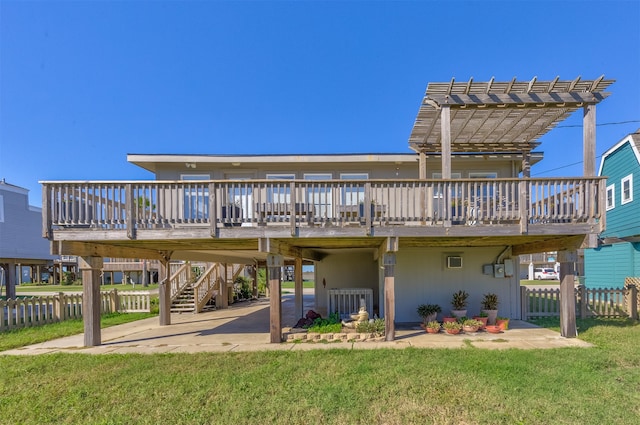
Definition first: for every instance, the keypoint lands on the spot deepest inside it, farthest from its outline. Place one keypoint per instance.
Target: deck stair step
(185, 301)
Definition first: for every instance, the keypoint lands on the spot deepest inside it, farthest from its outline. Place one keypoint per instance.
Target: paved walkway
(245, 327)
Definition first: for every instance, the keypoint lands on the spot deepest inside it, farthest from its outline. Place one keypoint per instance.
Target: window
(196, 197)
(353, 193)
(279, 193)
(320, 195)
(626, 189)
(611, 197)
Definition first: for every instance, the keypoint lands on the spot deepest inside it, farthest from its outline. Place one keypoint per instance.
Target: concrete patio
(245, 327)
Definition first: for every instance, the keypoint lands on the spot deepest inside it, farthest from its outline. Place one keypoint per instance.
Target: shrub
(375, 327)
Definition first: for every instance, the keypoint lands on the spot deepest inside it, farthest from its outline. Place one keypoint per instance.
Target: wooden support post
(445, 129)
(11, 280)
(90, 268)
(389, 261)
(567, 261)
(274, 269)
(632, 299)
(589, 140)
(298, 288)
(59, 307)
(224, 289)
(164, 291)
(254, 278)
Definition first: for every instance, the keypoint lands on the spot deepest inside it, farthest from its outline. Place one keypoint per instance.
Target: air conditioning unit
(454, 262)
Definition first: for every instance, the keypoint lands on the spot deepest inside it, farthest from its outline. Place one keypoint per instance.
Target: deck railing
(162, 204)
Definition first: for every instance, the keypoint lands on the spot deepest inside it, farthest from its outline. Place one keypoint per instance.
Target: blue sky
(84, 83)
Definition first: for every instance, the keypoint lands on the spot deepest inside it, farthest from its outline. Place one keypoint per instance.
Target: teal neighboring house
(618, 255)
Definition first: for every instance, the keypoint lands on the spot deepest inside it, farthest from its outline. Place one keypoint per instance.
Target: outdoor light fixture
(190, 164)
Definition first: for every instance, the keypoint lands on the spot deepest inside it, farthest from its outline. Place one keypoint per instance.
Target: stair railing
(207, 286)
(180, 279)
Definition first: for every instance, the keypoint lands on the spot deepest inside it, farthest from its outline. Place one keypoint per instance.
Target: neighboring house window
(1, 209)
(626, 189)
(611, 197)
(196, 198)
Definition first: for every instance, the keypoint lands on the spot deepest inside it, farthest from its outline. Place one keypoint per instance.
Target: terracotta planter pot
(483, 320)
(432, 330)
(470, 328)
(503, 324)
(452, 331)
(493, 329)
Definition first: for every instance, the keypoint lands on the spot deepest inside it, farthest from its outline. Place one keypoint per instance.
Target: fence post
(632, 300)
(582, 299)
(524, 304)
(115, 305)
(59, 309)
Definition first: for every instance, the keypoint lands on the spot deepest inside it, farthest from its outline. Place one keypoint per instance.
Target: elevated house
(24, 255)
(618, 254)
(396, 229)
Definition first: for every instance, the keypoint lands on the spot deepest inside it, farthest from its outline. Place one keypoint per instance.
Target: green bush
(242, 288)
(331, 324)
(376, 327)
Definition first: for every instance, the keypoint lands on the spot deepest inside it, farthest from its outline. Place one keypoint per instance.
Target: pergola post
(389, 261)
(589, 140)
(298, 288)
(91, 268)
(164, 290)
(274, 269)
(567, 261)
(445, 133)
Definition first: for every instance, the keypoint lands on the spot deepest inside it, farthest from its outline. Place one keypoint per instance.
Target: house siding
(623, 219)
(21, 230)
(608, 266)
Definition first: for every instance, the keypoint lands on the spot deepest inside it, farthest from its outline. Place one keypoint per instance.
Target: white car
(545, 274)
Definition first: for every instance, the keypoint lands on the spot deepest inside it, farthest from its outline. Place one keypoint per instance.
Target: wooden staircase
(184, 302)
(191, 294)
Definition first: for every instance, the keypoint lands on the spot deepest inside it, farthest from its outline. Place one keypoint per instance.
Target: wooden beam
(91, 268)
(389, 262)
(567, 260)
(560, 243)
(519, 100)
(274, 267)
(90, 249)
(278, 246)
(445, 131)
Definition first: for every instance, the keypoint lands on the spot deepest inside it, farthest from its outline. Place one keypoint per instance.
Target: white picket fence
(40, 310)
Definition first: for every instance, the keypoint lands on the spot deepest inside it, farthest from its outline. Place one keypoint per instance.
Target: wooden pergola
(502, 117)
(509, 117)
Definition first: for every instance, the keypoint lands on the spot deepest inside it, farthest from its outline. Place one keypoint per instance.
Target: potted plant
(452, 328)
(432, 327)
(428, 312)
(471, 325)
(459, 303)
(490, 307)
(503, 323)
(483, 318)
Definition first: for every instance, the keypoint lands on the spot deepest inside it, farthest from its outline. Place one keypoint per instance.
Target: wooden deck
(315, 210)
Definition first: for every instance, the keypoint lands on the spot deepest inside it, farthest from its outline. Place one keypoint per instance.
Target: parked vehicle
(545, 274)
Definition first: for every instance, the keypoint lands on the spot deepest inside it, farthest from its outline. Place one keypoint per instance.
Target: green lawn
(305, 284)
(24, 288)
(26, 336)
(462, 386)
